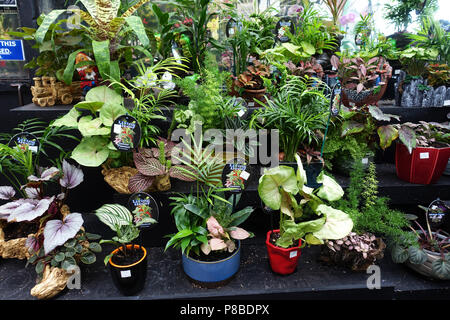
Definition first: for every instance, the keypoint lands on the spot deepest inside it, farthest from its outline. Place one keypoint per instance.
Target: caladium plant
(55, 225)
(153, 163)
(278, 188)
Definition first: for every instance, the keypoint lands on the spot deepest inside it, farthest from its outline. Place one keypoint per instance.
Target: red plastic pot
(282, 261)
(423, 165)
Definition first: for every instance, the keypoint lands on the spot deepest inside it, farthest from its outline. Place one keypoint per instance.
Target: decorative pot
(365, 97)
(212, 273)
(251, 96)
(282, 261)
(423, 165)
(129, 279)
(426, 268)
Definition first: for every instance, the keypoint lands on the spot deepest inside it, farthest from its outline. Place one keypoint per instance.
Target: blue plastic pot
(212, 271)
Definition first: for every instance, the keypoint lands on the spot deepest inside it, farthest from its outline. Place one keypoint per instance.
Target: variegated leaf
(140, 182)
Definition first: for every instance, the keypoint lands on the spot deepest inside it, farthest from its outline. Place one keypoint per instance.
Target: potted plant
(308, 221)
(208, 232)
(155, 169)
(250, 83)
(59, 243)
(363, 80)
(427, 254)
(128, 262)
(423, 154)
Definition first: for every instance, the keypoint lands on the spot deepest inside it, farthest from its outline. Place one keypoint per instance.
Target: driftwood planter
(14, 248)
(118, 178)
(53, 282)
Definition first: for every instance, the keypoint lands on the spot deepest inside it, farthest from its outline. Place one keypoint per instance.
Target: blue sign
(11, 50)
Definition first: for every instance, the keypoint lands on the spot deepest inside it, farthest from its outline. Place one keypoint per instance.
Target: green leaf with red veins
(387, 134)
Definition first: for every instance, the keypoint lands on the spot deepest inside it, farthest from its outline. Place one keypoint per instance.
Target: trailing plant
(154, 167)
(120, 220)
(59, 239)
(310, 219)
(299, 111)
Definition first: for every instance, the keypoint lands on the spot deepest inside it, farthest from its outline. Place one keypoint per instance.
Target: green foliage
(399, 12)
(369, 212)
(298, 111)
(415, 59)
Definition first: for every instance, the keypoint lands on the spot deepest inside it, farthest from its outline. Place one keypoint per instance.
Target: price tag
(397, 71)
(446, 103)
(424, 155)
(142, 206)
(241, 113)
(125, 274)
(125, 133)
(245, 175)
(251, 104)
(293, 254)
(365, 161)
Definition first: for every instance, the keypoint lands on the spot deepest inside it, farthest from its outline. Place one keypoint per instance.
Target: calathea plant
(104, 105)
(60, 240)
(121, 221)
(155, 168)
(311, 218)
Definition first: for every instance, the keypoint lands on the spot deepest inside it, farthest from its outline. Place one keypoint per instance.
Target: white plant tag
(293, 254)
(365, 161)
(446, 103)
(397, 71)
(245, 175)
(33, 148)
(117, 128)
(241, 113)
(231, 31)
(251, 104)
(125, 274)
(424, 155)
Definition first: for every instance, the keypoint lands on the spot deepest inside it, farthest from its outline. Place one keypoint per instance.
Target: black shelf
(255, 280)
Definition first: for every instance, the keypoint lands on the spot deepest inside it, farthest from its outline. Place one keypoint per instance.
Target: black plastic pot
(312, 172)
(129, 279)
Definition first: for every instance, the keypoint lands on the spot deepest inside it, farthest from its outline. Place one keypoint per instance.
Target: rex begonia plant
(60, 240)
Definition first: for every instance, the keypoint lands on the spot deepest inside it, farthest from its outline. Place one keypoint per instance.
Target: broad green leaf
(308, 48)
(330, 189)
(387, 134)
(338, 224)
(293, 231)
(70, 119)
(136, 24)
(95, 247)
(272, 180)
(105, 95)
(380, 115)
(441, 267)
(350, 127)
(109, 112)
(310, 239)
(114, 215)
(88, 258)
(92, 106)
(92, 151)
(301, 173)
(399, 254)
(93, 127)
(48, 20)
(70, 67)
(102, 57)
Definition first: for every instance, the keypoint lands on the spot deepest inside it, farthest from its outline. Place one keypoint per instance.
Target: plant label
(8, 3)
(25, 141)
(251, 104)
(144, 208)
(424, 155)
(293, 254)
(125, 133)
(446, 103)
(235, 175)
(284, 25)
(125, 274)
(397, 71)
(241, 113)
(365, 161)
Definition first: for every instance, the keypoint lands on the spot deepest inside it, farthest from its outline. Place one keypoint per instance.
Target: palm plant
(336, 8)
(299, 111)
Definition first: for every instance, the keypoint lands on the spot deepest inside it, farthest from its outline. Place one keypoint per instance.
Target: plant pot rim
(218, 261)
(256, 90)
(130, 265)
(280, 248)
(432, 148)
